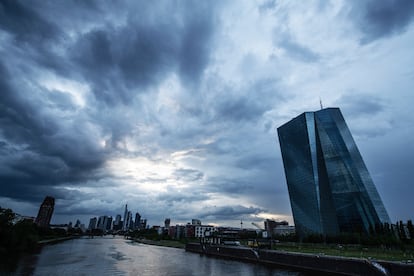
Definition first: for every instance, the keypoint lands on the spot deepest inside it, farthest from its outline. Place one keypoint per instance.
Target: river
(117, 256)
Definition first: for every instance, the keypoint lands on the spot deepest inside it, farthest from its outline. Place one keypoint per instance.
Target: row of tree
(19, 238)
(399, 234)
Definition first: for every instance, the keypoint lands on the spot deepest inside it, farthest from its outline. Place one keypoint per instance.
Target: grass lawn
(357, 251)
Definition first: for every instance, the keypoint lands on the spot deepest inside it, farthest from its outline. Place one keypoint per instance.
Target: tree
(15, 239)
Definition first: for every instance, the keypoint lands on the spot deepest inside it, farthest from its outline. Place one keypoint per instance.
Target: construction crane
(261, 230)
(258, 227)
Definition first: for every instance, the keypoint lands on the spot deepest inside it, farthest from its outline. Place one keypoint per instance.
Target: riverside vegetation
(384, 242)
(20, 238)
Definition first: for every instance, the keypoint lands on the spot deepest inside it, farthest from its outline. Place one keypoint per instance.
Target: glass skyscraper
(329, 186)
(45, 212)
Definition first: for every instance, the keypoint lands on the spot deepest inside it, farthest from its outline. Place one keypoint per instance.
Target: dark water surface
(117, 256)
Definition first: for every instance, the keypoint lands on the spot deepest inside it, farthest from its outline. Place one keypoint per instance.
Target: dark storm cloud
(229, 212)
(267, 6)
(32, 34)
(294, 49)
(239, 109)
(360, 110)
(221, 146)
(95, 206)
(114, 71)
(248, 104)
(19, 115)
(22, 124)
(361, 105)
(32, 176)
(195, 42)
(188, 174)
(229, 186)
(378, 19)
(39, 152)
(299, 52)
(25, 23)
(95, 95)
(125, 60)
(260, 162)
(118, 60)
(178, 197)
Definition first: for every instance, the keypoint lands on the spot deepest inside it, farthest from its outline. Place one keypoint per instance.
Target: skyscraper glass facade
(329, 186)
(45, 212)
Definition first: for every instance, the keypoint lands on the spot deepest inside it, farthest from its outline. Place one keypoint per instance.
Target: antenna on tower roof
(320, 102)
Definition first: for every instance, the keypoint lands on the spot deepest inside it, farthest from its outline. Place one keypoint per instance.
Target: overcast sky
(172, 106)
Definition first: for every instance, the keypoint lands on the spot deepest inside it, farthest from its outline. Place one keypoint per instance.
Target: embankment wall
(303, 261)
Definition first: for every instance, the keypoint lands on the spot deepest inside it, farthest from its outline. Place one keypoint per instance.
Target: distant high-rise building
(101, 222)
(167, 222)
(196, 222)
(189, 230)
(92, 223)
(329, 185)
(45, 212)
(104, 223)
(128, 224)
(117, 223)
(143, 224)
(124, 226)
(108, 223)
(137, 224)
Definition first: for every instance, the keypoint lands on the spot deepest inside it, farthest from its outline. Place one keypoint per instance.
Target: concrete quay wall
(327, 264)
(303, 261)
(56, 240)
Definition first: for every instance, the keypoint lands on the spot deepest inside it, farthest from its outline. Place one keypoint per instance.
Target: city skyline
(172, 107)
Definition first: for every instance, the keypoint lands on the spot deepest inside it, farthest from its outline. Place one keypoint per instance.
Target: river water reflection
(117, 256)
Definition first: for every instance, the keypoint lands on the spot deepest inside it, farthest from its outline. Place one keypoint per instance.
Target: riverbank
(304, 261)
(306, 258)
(166, 243)
(347, 251)
(354, 251)
(56, 240)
